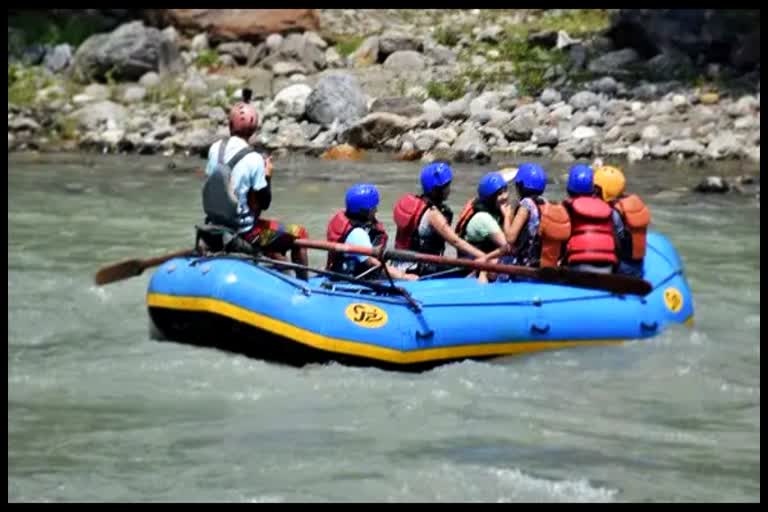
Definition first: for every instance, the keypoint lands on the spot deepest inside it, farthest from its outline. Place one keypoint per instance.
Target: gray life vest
(219, 199)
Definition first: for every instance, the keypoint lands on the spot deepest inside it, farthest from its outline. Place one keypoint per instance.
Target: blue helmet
(490, 184)
(531, 177)
(580, 179)
(361, 196)
(436, 174)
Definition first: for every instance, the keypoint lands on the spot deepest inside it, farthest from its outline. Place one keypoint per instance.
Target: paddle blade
(614, 283)
(119, 271)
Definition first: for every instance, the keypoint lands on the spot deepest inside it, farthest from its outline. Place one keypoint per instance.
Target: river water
(99, 412)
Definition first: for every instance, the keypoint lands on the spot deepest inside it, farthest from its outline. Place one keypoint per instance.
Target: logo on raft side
(673, 299)
(366, 315)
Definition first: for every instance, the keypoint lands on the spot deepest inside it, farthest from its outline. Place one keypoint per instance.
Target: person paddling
(424, 221)
(357, 225)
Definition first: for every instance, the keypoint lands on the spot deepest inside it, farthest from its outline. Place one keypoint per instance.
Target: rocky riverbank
(486, 91)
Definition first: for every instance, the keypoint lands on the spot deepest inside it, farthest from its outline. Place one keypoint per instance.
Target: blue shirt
(358, 236)
(249, 173)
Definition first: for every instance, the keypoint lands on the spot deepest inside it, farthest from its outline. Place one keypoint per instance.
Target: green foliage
(346, 45)
(42, 28)
(207, 58)
(447, 90)
(25, 81)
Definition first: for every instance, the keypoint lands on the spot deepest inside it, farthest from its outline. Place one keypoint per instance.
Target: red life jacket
(592, 238)
(636, 219)
(340, 226)
(408, 214)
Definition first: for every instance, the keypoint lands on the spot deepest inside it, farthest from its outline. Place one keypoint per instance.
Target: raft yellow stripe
(689, 322)
(354, 348)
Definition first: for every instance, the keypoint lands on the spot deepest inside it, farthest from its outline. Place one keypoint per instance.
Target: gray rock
(549, 96)
(391, 42)
(606, 85)
(746, 123)
(440, 55)
(314, 38)
(584, 132)
(260, 81)
(405, 60)
(282, 68)
(127, 53)
(58, 58)
(408, 107)
(290, 135)
(336, 96)
(713, 184)
(626, 121)
(498, 118)
(583, 100)
(290, 102)
(546, 137)
(593, 117)
(613, 134)
(669, 64)
(199, 42)
(651, 133)
(746, 105)
(457, 109)
(562, 156)
(333, 59)
(469, 147)
(635, 153)
(577, 56)
(97, 92)
(20, 124)
(686, 147)
(274, 42)
(296, 47)
(372, 130)
(91, 116)
(613, 63)
(520, 128)
(134, 94)
(239, 51)
(563, 112)
(490, 34)
(150, 79)
(724, 144)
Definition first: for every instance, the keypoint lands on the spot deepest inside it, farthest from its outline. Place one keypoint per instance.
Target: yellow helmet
(611, 181)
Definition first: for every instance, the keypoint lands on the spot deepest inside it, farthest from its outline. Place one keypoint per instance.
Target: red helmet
(243, 119)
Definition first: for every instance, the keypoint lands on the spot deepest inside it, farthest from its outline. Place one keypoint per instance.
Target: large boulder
(125, 54)
(337, 96)
(237, 24)
(730, 36)
(374, 129)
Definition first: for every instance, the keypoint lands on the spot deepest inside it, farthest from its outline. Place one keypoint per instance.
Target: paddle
(609, 282)
(131, 268)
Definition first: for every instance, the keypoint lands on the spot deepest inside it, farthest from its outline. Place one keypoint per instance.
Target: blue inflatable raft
(238, 305)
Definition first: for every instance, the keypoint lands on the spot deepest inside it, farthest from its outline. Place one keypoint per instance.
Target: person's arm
(260, 194)
(438, 221)
(516, 225)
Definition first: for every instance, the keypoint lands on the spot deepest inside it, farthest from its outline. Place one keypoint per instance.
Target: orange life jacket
(636, 217)
(592, 238)
(554, 231)
(339, 228)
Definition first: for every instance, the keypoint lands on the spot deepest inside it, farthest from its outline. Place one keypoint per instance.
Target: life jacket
(636, 217)
(219, 200)
(472, 207)
(408, 214)
(592, 238)
(339, 228)
(545, 248)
